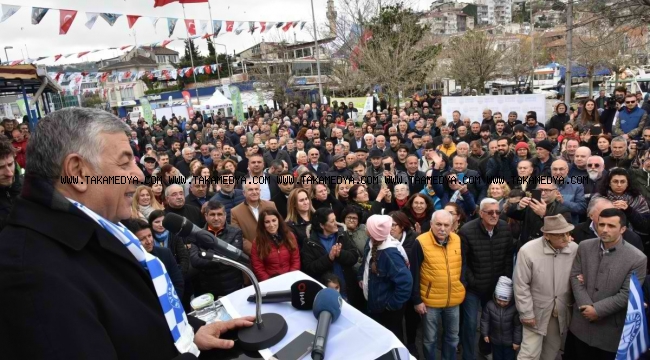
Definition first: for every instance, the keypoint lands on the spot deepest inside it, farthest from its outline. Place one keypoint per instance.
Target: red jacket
(21, 155)
(278, 262)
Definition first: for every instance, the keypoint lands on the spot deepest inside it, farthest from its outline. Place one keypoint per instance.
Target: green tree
(399, 54)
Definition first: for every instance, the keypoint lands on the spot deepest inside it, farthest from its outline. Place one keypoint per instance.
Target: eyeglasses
(595, 166)
(492, 212)
(630, 102)
(546, 190)
(351, 218)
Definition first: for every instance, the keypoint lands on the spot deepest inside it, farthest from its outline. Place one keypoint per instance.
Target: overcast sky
(44, 39)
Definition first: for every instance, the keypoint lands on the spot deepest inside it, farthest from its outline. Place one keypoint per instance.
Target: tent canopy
(218, 101)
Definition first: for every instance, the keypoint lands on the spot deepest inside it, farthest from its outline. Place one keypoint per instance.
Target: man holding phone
(534, 208)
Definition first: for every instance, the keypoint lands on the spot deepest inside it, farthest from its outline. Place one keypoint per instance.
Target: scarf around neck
(162, 239)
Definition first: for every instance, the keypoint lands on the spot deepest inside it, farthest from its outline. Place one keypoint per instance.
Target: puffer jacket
(502, 325)
(215, 278)
(485, 258)
(280, 260)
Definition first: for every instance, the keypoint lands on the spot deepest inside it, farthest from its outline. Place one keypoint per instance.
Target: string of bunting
(125, 76)
(67, 17)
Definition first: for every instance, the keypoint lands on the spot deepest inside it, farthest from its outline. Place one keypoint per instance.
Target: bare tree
(473, 59)
(272, 69)
(518, 58)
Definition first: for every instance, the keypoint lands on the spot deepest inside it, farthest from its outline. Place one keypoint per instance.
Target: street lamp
(320, 85)
(7, 56)
(226, 51)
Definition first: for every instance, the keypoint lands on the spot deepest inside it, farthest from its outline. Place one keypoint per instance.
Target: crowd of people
(526, 229)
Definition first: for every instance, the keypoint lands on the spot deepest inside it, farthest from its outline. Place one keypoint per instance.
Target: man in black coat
(532, 212)
(487, 253)
(11, 181)
(317, 167)
(101, 302)
(587, 229)
(501, 164)
(176, 204)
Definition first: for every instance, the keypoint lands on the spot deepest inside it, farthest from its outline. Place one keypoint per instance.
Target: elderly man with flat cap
(543, 290)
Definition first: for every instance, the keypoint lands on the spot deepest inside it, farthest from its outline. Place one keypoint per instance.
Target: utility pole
(320, 84)
(532, 50)
(189, 48)
(569, 46)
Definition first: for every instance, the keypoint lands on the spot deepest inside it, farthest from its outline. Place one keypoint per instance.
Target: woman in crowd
(306, 180)
(230, 164)
(458, 214)
(342, 191)
(275, 250)
(299, 212)
(358, 196)
(144, 203)
(539, 136)
(418, 209)
(569, 133)
(355, 229)
(321, 197)
(560, 118)
(158, 193)
(170, 175)
(588, 117)
(499, 190)
(603, 146)
(621, 190)
(385, 278)
(163, 238)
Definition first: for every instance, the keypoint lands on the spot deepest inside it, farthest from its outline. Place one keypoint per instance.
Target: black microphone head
(177, 224)
(303, 293)
(328, 300)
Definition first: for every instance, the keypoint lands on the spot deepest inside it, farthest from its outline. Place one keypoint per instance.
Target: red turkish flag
(191, 28)
(57, 57)
(126, 46)
(82, 54)
(262, 26)
(158, 3)
(208, 70)
(287, 26)
(165, 43)
(192, 1)
(132, 19)
(229, 25)
(66, 18)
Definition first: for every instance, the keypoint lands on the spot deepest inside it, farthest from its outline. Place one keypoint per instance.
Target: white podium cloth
(353, 336)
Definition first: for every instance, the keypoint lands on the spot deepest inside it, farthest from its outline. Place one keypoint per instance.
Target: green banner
(237, 106)
(147, 114)
(21, 107)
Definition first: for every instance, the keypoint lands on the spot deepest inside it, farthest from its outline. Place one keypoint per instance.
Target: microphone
(181, 226)
(269, 328)
(301, 295)
(327, 309)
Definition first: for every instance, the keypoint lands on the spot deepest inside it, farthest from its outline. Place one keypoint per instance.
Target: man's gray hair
(600, 159)
(367, 136)
(68, 131)
(171, 188)
(463, 143)
(487, 201)
(443, 213)
(593, 203)
(620, 139)
(189, 149)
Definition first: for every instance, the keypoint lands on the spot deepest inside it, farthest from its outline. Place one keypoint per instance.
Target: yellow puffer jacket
(440, 285)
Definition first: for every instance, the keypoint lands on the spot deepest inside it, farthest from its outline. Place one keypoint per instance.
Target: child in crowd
(500, 325)
(332, 281)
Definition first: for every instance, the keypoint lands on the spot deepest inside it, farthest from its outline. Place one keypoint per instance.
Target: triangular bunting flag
(82, 54)
(279, 25)
(15, 62)
(269, 26)
(94, 51)
(132, 19)
(166, 42)
(262, 26)
(203, 27)
(207, 69)
(57, 57)
(154, 21)
(214, 67)
(158, 3)
(239, 28)
(66, 18)
(110, 18)
(125, 47)
(287, 26)
(91, 18)
(191, 27)
(37, 14)
(8, 11)
(229, 25)
(171, 25)
(295, 23)
(251, 27)
(41, 58)
(302, 24)
(216, 24)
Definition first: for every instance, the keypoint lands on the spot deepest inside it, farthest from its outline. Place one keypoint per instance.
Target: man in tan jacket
(543, 291)
(245, 215)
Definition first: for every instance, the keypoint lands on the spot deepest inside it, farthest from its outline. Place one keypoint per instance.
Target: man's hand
(207, 337)
(559, 198)
(539, 207)
(524, 203)
(529, 322)
(581, 279)
(486, 339)
(421, 309)
(515, 347)
(625, 136)
(589, 312)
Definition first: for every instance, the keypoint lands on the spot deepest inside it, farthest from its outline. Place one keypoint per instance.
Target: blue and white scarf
(180, 329)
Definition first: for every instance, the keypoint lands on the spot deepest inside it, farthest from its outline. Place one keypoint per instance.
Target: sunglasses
(595, 166)
(492, 212)
(630, 102)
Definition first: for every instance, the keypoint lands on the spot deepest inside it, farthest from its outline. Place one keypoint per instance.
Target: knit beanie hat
(545, 144)
(521, 145)
(378, 227)
(503, 290)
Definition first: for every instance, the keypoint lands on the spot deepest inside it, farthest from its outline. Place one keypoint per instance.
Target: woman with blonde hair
(306, 181)
(144, 203)
(499, 190)
(342, 190)
(299, 211)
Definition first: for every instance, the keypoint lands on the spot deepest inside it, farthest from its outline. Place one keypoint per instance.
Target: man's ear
(75, 167)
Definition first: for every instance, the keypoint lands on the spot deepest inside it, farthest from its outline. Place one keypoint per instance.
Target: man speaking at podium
(75, 283)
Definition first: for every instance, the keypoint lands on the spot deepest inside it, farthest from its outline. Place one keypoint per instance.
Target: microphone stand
(269, 328)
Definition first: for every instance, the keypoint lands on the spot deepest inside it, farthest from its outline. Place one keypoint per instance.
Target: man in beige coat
(543, 291)
(245, 215)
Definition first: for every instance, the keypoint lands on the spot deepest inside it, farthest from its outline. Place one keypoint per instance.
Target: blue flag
(634, 339)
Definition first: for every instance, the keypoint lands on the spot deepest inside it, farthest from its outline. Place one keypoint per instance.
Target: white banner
(473, 106)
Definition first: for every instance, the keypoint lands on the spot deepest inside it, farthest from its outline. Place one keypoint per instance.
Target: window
(127, 94)
(299, 54)
(302, 69)
(306, 52)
